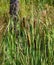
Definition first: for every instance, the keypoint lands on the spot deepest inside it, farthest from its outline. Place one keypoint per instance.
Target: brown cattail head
(35, 21)
(28, 39)
(35, 43)
(24, 21)
(27, 26)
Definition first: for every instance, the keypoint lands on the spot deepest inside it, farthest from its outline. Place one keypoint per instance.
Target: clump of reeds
(34, 44)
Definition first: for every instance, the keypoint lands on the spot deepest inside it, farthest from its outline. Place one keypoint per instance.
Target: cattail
(28, 40)
(35, 43)
(35, 21)
(23, 23)
(27, 26)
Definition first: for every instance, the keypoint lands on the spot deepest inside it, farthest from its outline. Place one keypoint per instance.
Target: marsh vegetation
(33, 41)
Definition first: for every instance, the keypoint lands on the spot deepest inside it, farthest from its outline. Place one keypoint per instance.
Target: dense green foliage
(34, 44)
